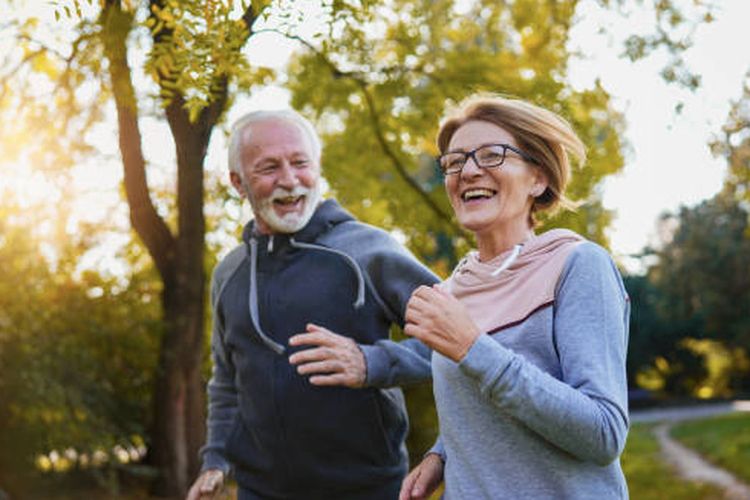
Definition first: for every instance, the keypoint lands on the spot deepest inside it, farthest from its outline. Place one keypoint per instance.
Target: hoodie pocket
(344, 426)
(250, 449)
(392, 416)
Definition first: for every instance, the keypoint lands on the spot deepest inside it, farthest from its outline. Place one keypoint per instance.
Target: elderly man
(293, 407)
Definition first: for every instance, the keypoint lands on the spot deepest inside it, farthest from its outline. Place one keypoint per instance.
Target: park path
(689, 464)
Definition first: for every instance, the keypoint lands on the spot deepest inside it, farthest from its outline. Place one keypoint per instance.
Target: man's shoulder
(229, 263)
(360, 237)
(346, 232)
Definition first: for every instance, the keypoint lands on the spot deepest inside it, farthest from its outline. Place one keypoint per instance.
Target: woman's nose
(470, 168)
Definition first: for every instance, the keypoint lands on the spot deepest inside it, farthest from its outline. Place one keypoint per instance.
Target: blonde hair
(545, 136)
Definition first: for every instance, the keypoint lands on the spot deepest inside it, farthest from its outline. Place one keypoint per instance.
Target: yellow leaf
(43, 64)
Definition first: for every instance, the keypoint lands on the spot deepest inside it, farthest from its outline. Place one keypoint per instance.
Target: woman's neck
(493, 243)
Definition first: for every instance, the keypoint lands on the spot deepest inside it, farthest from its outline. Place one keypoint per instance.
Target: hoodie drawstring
(509, 260)
(360, 301)
(253, 299)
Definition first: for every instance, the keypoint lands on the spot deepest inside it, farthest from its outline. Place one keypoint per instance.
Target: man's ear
(236, 181)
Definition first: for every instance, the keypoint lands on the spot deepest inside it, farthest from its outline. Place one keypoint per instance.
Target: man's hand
(333, 359)
(423, 480)
(208, 485)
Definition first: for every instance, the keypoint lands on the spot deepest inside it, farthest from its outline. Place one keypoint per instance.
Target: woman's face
(491, 199)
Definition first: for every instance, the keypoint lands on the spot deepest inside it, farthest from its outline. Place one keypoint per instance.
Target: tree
(78, 351)
(733, 144)
(702, 276)
(386, 81)
(194, 56)
(659, 359)
(192, 52)
(382, 83)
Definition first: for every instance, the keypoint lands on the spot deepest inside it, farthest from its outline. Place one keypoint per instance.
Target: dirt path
(693, 467)
(689, 464)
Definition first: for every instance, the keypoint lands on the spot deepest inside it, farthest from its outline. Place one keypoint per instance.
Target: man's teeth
(473, 194)
(288, 200)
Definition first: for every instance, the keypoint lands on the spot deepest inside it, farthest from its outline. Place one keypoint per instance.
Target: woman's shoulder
(587, 260)
(589, 250)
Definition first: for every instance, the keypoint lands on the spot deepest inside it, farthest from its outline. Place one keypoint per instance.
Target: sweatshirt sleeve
(222, 395)
(585, 413)
(395, 274)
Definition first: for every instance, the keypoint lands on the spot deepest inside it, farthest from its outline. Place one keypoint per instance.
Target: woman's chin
(474, 224)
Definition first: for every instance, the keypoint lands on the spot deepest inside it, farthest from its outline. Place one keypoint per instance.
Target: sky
(668, 162)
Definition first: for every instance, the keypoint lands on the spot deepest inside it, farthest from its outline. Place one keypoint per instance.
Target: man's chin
(286, 223)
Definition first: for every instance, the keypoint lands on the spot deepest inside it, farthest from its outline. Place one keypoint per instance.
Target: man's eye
(300, 163)
(266, 168)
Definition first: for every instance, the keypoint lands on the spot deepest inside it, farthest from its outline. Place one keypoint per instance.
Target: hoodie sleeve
(394, 274)
(585, 413)
(222, 392)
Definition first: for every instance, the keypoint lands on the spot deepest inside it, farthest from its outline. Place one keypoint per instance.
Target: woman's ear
(540, 184)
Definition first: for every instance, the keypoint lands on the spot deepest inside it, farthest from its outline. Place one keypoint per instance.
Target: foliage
(657, 359)
(733, 144)
(702, 272)
(382, 84)
(649, 478)
(77, 352)
(690, 333)
(724, 441)
(392, 67)
(699, 288)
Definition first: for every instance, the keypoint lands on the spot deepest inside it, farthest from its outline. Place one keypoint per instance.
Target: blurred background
(115, 202)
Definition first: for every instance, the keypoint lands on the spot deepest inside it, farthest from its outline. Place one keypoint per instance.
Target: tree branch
(151, 228)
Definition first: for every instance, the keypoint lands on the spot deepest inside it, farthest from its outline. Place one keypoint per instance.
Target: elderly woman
(530, 331)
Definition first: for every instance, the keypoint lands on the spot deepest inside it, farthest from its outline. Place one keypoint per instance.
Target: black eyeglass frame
(472, 154)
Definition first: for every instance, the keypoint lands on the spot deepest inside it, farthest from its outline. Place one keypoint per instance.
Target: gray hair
(288, 115)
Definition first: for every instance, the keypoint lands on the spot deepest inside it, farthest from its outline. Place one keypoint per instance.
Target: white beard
(291, 222)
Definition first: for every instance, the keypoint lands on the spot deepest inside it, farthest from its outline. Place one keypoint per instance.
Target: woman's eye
(488, 156)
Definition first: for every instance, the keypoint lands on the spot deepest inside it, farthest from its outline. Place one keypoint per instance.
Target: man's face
(279, 175)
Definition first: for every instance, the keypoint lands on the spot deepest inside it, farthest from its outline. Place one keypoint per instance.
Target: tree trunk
(178, 427)
(179, 404)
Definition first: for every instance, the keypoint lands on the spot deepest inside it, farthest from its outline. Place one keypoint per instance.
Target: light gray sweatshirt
(538, 410)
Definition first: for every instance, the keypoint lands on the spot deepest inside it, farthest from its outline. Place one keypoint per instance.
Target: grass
(724, 441)
(650, 478)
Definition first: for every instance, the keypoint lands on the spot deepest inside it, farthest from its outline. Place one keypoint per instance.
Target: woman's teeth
(473, 194)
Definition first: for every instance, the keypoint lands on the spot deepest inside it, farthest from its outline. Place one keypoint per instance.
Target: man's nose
(287, 175)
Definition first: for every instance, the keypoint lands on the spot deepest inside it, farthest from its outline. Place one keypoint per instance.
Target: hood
(498, 300)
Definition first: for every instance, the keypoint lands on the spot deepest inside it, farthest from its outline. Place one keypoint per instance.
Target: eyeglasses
(487, 156)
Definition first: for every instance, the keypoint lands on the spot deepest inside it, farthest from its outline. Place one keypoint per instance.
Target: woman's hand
(439, 320)
(423, 479)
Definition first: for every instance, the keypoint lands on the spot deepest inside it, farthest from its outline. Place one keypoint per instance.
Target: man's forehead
(274, 132)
